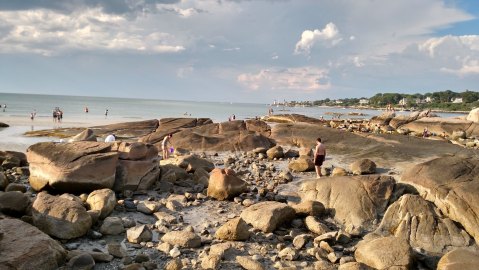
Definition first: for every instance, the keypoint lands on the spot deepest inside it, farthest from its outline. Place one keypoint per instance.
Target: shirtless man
(164, 145)
(319, 156)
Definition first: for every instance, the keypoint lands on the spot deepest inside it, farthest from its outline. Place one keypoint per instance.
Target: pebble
(175, 252)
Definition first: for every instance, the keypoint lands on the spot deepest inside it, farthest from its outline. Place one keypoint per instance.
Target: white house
(403, 102)
(429, 99)
(457, 100)
(339, 101)
(363, 101)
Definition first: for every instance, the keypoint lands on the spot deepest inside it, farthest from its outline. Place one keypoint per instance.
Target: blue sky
(238, 50)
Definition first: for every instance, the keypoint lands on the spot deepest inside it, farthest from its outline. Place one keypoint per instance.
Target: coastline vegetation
(442, 101)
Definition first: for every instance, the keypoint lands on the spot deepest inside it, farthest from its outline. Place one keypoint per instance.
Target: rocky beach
(243, 194)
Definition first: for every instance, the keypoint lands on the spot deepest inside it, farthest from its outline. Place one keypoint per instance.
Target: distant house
(429, 99)
(363, 101)
(418, 101)
(403, 102)
(338, 101)
(457, 100)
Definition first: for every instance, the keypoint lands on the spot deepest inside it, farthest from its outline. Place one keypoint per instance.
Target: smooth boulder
(413, 218)
(224, 184)
(459, 259)
(60, 217)
(302, 164)
(103, 200)
(356, 200)
(363, 166)
(72, 167)
(267, 216)
(233, 230)
(452, 184)
(384, 253)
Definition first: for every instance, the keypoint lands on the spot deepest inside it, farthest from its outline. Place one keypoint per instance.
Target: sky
(238, 50)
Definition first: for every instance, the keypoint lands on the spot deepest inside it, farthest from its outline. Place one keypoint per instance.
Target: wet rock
(234, 230)
(103, 200)
(60, 217)
(267, 216)
(182, 238)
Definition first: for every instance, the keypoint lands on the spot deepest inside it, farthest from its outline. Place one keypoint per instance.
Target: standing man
(164, 145)
(319, 156)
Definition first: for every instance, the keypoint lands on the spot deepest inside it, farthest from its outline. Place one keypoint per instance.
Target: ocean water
(19, 106)
(129, 109)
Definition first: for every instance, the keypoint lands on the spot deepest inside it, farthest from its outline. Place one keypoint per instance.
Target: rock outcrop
(24, 247)
(452, 184)
(459, 259)
(363, 166)
(418, 221)
(171, 126)
(357, 200)
(86, 135)
(72, 167)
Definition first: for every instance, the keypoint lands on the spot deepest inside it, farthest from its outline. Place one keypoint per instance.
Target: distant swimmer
(106, 113)
(86, 109)
(32, 116)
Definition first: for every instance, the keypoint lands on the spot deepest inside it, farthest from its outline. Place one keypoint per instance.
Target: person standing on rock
(164, 145)
(319, 156)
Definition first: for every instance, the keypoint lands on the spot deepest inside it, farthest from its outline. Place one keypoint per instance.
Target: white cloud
(302, 79)
(184, 71)
(329, 34)
(455, 54)
(357, 61)
(235, 49)
(48, 32)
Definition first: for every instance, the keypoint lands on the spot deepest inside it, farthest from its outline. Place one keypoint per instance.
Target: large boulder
(24, 247)
(275, 152)
(459, 259)
(224, 184)
(401, 120)
(473, 115)
(357, 201)
(417, 220)
(72, 167)
(60, 217)
(383, 119)
(302, 164)
(86, 135)
(452, 184)
(363, 166)
(384, 253)
(267, 216)
(103, 200)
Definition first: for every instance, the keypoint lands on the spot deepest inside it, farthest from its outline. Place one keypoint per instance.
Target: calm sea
(128, 109)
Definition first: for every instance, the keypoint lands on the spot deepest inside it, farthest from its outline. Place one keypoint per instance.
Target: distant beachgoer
(54, 113)
(425, 133)
(106, 113)
(32, 116)
(319, 156)
(110, 138)
(233, 117)
(321, 118)
(4, 107)
(164, 145)
(86, 109)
